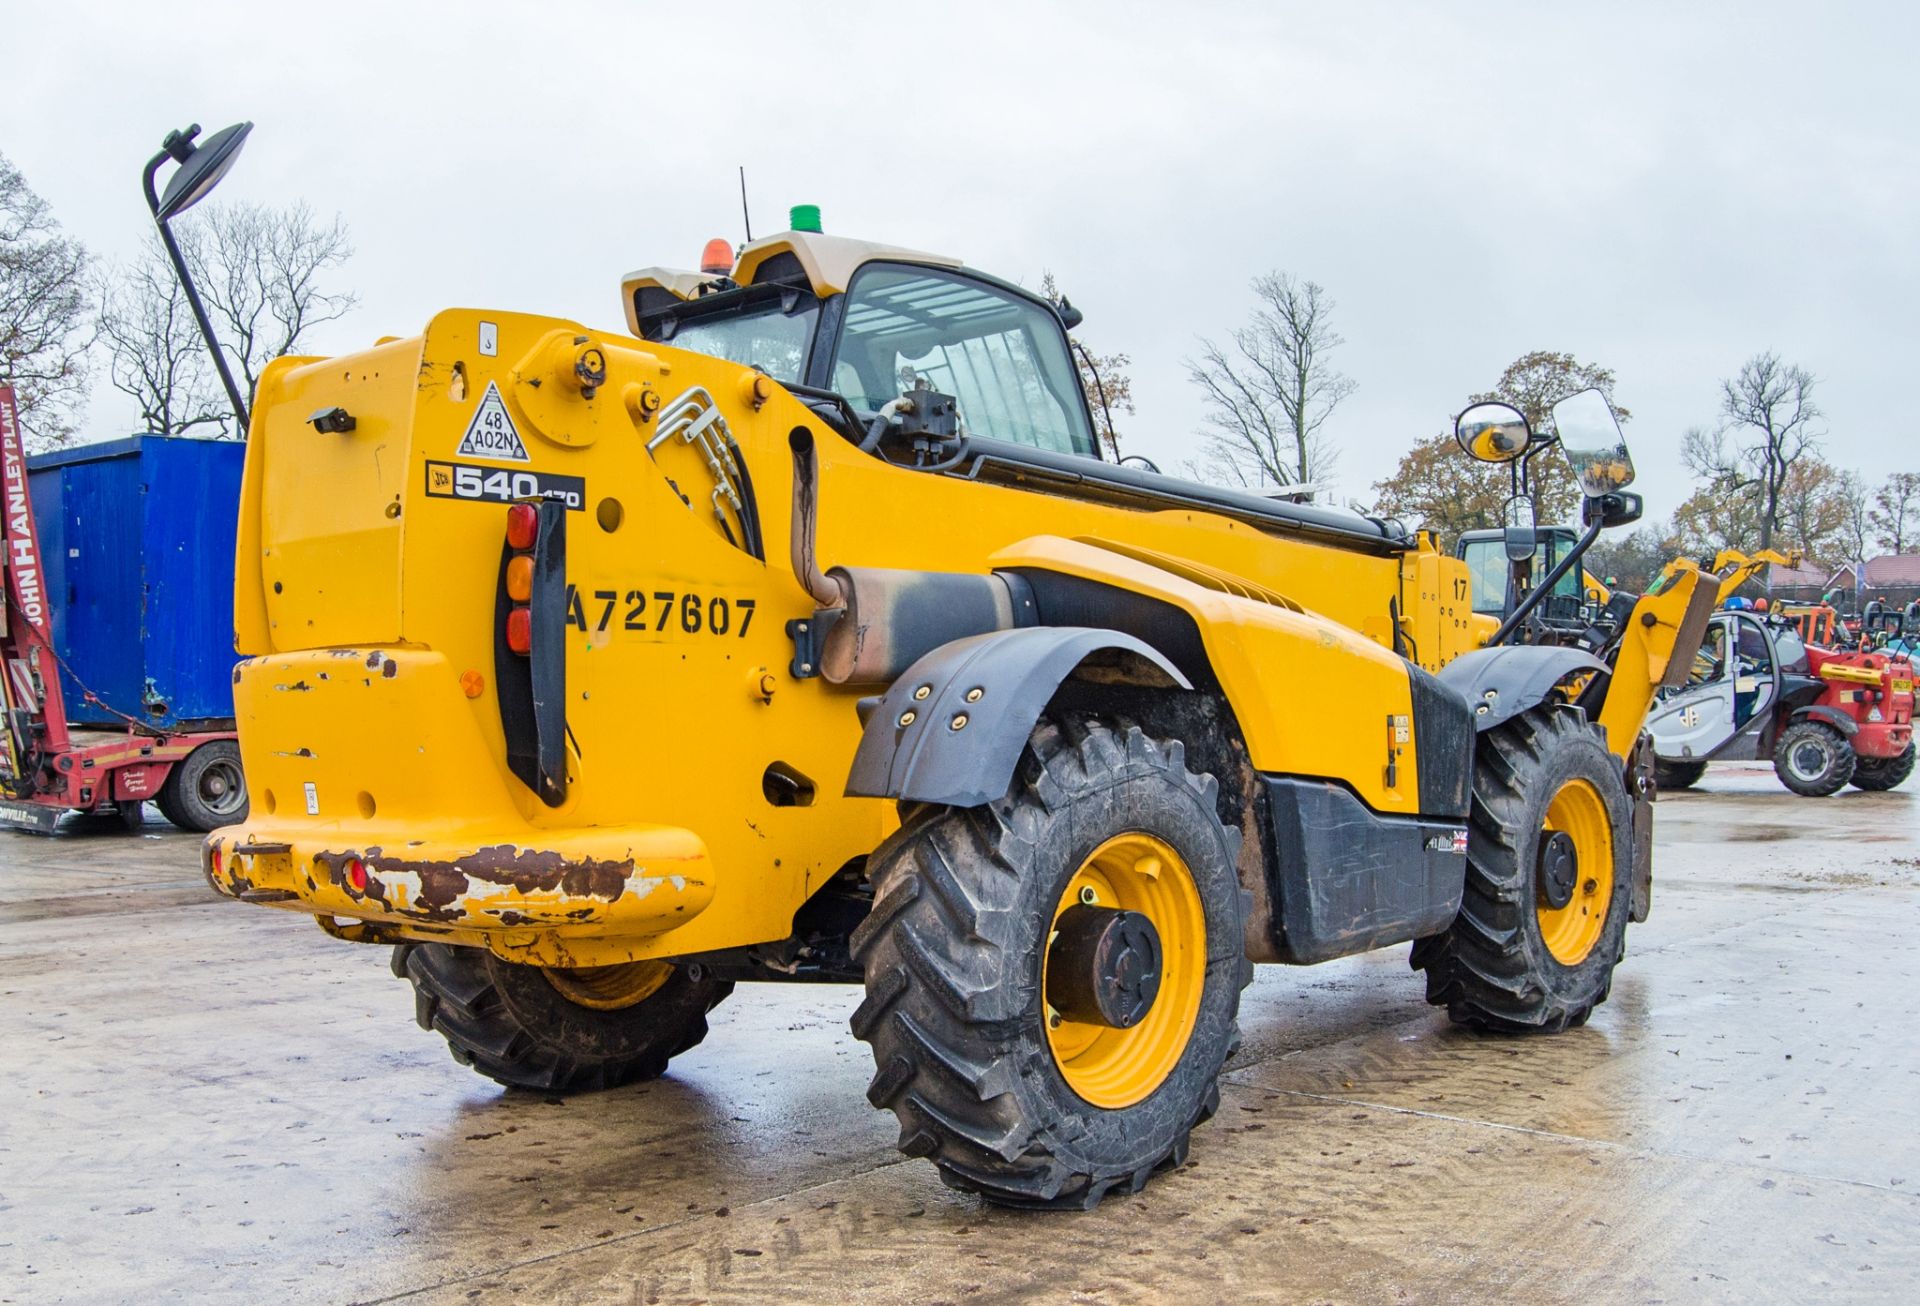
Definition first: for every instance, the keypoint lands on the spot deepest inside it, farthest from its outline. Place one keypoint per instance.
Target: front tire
(967, 975)
(1677, 775)
(556, 1031)
(1878, 774)
(1549, 881)
(1813, 759)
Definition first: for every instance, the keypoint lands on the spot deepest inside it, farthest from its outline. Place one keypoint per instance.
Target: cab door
(1727, 699)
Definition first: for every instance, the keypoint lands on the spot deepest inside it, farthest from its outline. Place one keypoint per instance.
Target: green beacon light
(804, 217)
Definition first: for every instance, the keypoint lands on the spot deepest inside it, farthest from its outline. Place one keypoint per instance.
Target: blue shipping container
(138, 540)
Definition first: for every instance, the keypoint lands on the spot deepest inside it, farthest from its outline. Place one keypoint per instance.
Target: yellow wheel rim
(1115, 1068)
(609, 988)
(1570, 932)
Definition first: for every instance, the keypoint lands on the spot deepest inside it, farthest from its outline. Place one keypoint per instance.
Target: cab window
(1003, 357)
(1487, 572)
(1710, 663)
(1751, 646)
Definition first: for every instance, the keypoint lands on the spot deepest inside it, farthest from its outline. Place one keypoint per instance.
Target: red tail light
(356, 875)
(523, 525)
(520, 631)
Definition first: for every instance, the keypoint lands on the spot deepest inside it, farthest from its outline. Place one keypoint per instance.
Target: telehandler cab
(1042, 750)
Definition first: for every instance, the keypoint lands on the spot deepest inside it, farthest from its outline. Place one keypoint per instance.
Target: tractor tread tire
(1879, 774)
(952, 1017)
(1490, 969)
(505, 1021)
(1827, 783)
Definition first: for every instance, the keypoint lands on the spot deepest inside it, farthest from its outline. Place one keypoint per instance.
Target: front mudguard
(1502, 682)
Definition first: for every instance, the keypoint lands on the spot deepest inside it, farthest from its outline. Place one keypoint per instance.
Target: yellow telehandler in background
(800, 632)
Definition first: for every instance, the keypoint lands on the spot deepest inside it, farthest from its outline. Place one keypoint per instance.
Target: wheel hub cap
(1559, 869)
(1104, 967)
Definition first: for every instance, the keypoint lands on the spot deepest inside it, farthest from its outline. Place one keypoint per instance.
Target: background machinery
(116, 684)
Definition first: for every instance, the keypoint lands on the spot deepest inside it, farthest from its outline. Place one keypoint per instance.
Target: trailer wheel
(1813, 759)
(1677, 775)
(1053, 978)
(552, 1030)
(1549, 881)
(206, 789)
(1878, 774)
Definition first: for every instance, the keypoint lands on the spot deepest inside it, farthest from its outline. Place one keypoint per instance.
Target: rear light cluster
(523, 530)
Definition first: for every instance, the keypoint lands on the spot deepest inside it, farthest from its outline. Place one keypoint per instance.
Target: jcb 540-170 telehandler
(801, 632)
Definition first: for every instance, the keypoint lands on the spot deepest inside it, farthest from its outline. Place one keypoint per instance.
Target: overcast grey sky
(1665, 189)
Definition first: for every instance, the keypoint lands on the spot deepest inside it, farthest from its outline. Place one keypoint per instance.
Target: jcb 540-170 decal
(496, 485)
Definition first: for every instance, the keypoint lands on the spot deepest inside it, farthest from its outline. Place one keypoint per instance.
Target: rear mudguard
(1501, 683)
(951, 729)
(1833, 716)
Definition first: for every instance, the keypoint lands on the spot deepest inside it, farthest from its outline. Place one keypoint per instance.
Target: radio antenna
(745, 217)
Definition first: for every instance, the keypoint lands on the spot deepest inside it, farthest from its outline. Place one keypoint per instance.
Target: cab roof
(825, 263)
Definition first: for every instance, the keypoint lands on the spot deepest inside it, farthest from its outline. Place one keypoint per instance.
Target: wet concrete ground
(210, 1101)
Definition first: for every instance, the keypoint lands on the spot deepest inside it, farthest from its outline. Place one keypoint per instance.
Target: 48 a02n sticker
(496, 485)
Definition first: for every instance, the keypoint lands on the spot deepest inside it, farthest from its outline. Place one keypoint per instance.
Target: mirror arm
(1538, 594)
(192, 293)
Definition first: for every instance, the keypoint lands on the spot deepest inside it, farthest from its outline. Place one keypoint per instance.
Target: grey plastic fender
(951, 729)
(1833, 716)
(1503, 682)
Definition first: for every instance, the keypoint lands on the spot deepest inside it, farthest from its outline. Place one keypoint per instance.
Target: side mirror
(1519, 537)
(1493, 433)
(201, 166)
(1591, 439)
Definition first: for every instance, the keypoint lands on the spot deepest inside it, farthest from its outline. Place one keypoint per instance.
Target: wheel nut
(1088, 896)
(922, 692)
(973, 695)
(958, 723)
(907, 717)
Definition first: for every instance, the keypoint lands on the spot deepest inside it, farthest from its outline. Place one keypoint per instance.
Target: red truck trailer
(47, 765)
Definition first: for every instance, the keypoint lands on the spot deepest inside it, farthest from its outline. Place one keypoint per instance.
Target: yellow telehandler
(800, 632)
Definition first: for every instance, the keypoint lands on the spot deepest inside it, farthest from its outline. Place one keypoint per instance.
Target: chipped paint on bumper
(636, 880)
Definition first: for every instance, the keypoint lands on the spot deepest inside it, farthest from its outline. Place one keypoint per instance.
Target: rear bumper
(381, 797)
(599, 882)
(1882, 740)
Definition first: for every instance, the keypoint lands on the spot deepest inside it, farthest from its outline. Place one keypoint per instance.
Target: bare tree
(1896, 512)
(1269, 390)
(45, 335)
(259, 271)
(154, 351)
(1768, 413)
(1856, 525)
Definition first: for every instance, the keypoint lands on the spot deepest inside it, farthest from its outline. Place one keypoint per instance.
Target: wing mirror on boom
(1591, 439)
(1493, 433)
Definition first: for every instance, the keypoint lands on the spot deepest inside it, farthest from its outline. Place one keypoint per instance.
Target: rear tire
(206, 789)
(1007, 1097)
(1677, 775)
(1878, 774)
(1813, 759)
(1511, 963)
(512, 1024)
